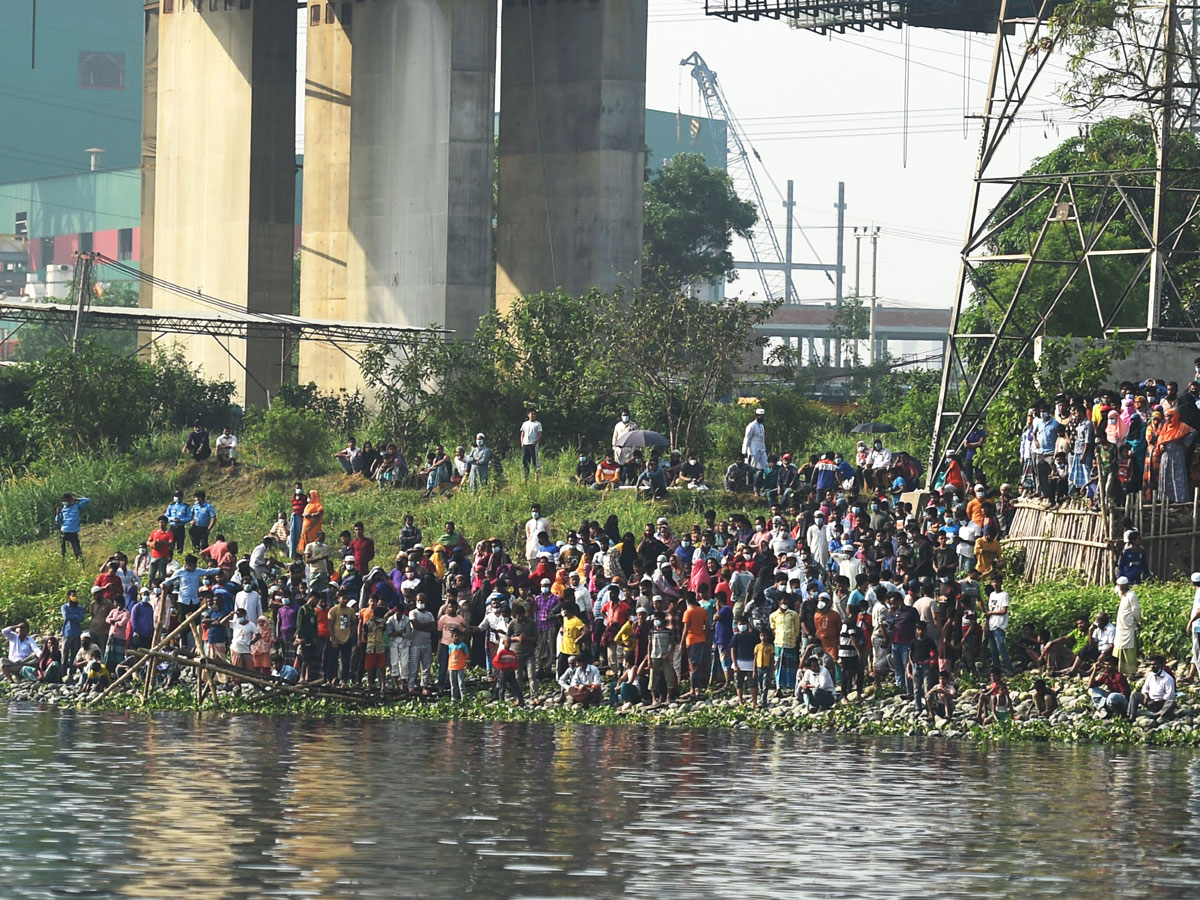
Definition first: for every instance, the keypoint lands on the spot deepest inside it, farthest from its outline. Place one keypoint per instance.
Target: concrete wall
(572, 140)
(397, 171)
(224, 178)
(1168, 360)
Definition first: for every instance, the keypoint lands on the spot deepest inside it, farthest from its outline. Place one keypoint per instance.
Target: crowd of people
(837, 588)
(1140, 437)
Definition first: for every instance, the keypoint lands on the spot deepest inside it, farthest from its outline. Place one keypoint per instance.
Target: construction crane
(764, 243)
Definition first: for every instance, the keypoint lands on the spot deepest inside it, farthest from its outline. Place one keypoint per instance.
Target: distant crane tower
(764, 243)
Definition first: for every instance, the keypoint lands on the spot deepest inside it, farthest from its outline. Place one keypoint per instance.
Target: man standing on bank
(531, 439)
(754, 443)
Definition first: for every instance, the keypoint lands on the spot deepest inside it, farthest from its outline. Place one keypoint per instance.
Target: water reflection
(241, 806)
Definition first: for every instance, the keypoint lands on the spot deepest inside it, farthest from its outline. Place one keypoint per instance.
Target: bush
(1055, 606)
(295, 441)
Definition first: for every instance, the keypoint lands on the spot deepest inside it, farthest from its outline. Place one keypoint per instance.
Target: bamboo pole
(141, 662)
(252, 677)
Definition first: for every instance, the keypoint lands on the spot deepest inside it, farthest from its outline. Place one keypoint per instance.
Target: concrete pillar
(224, 187)
(572, 141)
(399, 124)
(149, 127)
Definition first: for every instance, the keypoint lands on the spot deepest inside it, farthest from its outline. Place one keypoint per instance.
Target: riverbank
(1075, 722)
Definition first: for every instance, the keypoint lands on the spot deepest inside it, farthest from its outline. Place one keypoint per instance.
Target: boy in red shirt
(505, 663)
(162, 549)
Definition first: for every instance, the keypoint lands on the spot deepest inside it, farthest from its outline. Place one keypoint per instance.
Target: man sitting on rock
(1157, 696)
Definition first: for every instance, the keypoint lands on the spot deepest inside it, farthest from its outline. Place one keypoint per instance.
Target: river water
(176, 806)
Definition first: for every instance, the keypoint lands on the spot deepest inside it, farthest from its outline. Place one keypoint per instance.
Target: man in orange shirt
(162, 549)
(696, 641)
(977, 506)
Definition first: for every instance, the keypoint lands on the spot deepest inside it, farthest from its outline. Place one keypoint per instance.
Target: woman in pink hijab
(1115, 427)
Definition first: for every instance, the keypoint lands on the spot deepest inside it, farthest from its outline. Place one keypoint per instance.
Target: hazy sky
(822, 109)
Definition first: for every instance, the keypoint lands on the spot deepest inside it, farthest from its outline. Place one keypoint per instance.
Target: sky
(885, 112)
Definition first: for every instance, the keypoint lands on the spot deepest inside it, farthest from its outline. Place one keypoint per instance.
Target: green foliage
(1055, 605)
(96, 397)
(664, 354)
(691, 214)
(343, 412)
(293, 441)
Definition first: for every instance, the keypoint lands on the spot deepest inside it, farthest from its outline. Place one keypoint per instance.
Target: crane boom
(763, 242)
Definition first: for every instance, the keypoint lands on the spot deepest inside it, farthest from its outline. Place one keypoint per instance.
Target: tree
(672, 355)
(691, 215)
(1117, 283)
(36, 340)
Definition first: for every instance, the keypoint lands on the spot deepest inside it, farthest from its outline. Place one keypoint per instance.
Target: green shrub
(1055, 605)
(295, 441)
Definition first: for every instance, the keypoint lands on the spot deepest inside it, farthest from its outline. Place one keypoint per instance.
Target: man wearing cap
(754, 441)
(480, 461)
(1129, 620)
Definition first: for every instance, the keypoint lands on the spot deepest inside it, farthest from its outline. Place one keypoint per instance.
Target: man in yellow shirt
(573, 632)
(785, 623)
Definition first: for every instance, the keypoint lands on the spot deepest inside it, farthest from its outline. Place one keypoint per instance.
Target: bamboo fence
(1077, 537)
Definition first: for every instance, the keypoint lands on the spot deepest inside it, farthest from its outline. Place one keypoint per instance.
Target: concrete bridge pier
(398, 163)
(222, 204)
(572, 142)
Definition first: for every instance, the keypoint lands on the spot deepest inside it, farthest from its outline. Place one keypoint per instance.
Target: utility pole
(871, 351)
(789, 289)
(83, 289)
(839, 278)
(858, 236)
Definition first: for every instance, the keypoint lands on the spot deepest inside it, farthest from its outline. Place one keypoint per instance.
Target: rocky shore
(1075, 721)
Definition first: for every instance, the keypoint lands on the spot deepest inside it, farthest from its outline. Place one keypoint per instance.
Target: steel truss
(1162, 202)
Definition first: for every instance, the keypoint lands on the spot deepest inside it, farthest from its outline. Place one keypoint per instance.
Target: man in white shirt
(249, 600)
(244, 631)
(581, 683)
(878, 461)
(997, 626)
(583, 597)
(531, 439)
(622, 455)
(226, 448)
(261, 562)
(815, 687)
(22, 649)
(535, 526)
(1104, 633)
(818, 542)
(349, 457)
(1157, 696)
(1129, 620)
(754, 441)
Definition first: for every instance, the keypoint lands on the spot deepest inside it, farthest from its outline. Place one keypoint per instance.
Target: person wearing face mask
(691, 473)
(623, 455)
(1045, 436)
(179, 514)
(536, 525)
(420, 660)
(479, 461)
(585, 470)
(878, 461)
